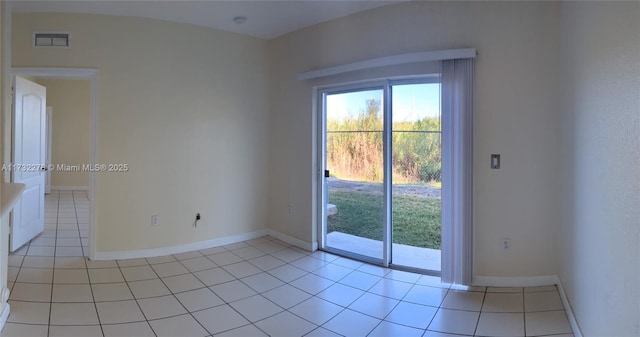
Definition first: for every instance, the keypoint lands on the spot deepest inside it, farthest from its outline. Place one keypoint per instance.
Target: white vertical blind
(457, 156)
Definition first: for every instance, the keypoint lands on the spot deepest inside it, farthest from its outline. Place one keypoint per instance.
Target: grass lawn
(416, 221)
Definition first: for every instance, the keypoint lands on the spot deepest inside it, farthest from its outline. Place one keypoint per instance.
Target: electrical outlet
(154, 220)
(506, 244)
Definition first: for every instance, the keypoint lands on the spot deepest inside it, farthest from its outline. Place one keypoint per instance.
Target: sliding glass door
(354, 171)
(381, 157)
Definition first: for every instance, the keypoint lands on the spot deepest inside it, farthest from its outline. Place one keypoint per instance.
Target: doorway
(77, 74)
(382, 159)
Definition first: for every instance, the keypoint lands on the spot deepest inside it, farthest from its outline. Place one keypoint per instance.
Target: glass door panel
(354, 173)
(416, 175)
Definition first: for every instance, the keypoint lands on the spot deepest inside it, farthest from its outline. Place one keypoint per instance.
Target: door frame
(47, 161)
(386, 85)
(77, 74)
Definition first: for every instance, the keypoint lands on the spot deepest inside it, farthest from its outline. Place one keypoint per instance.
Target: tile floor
(260, 287)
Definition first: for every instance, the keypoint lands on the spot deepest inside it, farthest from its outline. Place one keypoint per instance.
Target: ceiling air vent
(51, 39)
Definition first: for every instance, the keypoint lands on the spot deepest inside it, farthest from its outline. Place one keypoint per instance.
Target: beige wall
(599, 240)
(70, 101)
(516, 115)
(185, 107)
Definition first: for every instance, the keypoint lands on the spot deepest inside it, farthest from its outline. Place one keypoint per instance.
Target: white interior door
(29, 150)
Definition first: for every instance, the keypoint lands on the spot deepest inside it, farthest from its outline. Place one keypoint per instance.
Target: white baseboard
(4, 316)
(187, 247)
(567, 306)
(533, 281)
(527, 281)
(309, 246)
(69, 188)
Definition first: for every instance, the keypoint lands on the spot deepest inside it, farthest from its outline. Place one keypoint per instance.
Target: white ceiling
(265, 18)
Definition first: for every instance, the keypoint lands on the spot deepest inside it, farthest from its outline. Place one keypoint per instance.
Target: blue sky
(411, 102)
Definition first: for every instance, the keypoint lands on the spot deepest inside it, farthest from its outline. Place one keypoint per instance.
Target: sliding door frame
(320, 94)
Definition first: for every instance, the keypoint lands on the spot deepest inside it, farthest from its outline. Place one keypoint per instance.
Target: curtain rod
(426, 56)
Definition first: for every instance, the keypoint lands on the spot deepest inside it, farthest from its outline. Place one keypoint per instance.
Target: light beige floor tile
(374, 305)
(70, 262)
(198, 264)
(224, 258)
(111, 292)
(412, 315)
(425, 295)
(248, 253)
(286, 296)
(24, 330)
(287, 273)
(386, 329)
(105, 275)
(69, 251)
(266, 262)
(40, 251)
(309, 264)
(247, 330)
(75, 331)
(316, 310)
(214, 276)
(312, 284)
(140, 329)
(503, 302)
(71, 276)
(182, 283)
(35, 275)
(285, 324)
(119, 312)
(132, 262)
(219, 319)
(256, 308)
(241, 269)
(184, 326)
(333, 272)
(148, 288)
(262, 282)
(29, 312)
(547, 323)
(199, 299)
(169, 269)
(504, 290)
(73, 314)
(391, 288)
(38, 262)
(232, 291)
(351, 323)
(161, 307)
(500, 324)
(360, 280)
(542, 301)
(322, 332)
(15, 260)
(340, 294)
(161, 259)
(101, 264)
(32, 292)
(72, 293)
(138, 273)
(455, 321)
(463, 300)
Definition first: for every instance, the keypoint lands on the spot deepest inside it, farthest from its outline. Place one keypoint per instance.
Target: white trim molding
(309, 246)
(188, 247)
(69, 188)
(425, 56)
(5, 315)
(183, 248)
